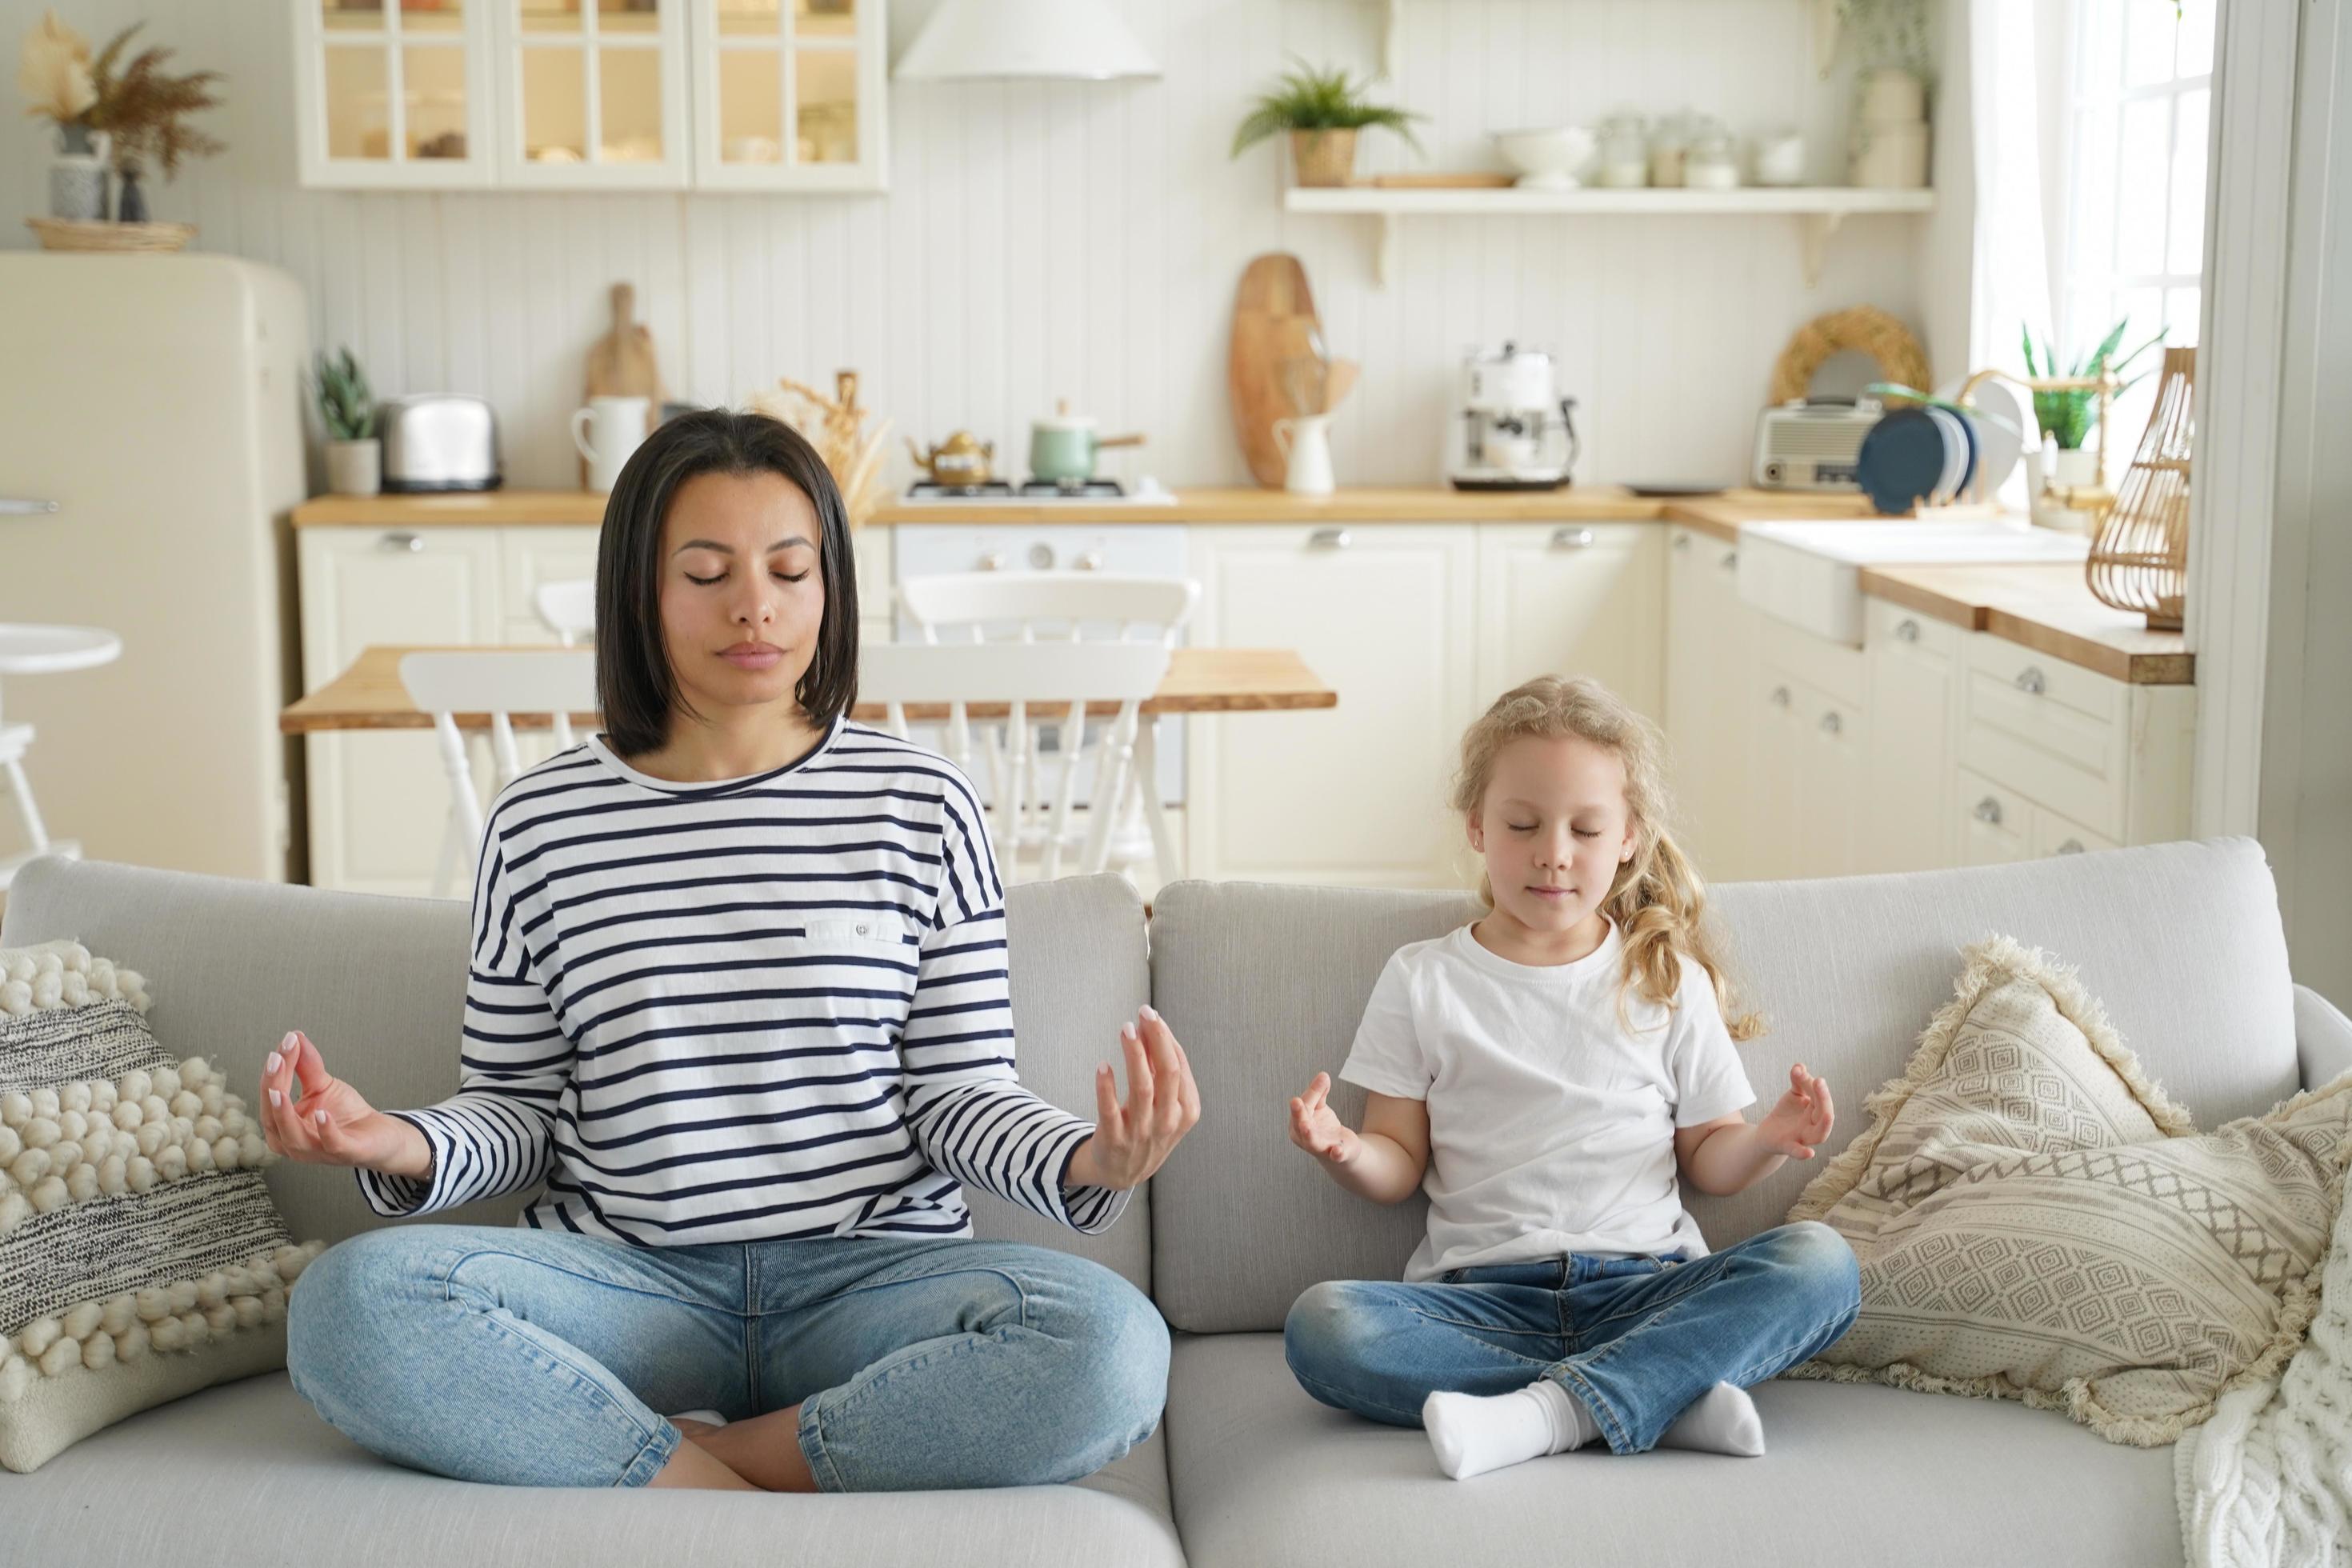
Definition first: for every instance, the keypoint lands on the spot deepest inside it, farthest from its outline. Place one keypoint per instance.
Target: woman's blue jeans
(536, 1358)
(1636, 1338)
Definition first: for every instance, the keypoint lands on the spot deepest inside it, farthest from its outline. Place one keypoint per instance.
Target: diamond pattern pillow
(140, 1255)
(2036, 1221)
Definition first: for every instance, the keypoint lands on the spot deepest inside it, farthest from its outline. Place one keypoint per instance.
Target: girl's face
(741, 594)
(1553, 828)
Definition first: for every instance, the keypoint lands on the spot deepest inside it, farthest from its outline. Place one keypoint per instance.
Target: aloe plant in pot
(1322, 110)
(346, 409)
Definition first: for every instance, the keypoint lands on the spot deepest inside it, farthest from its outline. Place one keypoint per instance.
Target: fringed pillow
(140, 1255)
(2036, 1221)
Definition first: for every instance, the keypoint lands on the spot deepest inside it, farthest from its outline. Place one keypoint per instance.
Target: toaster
(1810, 446)
(438, 442)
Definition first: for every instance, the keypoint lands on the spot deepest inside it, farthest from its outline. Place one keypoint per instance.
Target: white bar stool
(41, 650)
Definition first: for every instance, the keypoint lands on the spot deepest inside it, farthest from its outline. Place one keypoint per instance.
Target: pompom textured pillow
(141, 1256)
(2035, 1221)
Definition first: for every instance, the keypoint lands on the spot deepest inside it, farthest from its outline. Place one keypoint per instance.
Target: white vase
(355, 467)
(2071, 466)
(77, 175)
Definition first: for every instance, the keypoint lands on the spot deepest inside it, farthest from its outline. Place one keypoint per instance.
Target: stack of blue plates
(1917, 457)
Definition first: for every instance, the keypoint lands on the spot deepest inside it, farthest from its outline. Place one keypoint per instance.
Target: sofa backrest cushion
(379, 984)
(1264, 986)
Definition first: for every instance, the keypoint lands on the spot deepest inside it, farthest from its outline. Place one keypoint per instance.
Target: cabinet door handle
(2032, 681)
(1681, 542)
(1988, 811)
(1571, 538)
(12, 507)
(1730, 559)
(1907, 631)
(1781, 697)
(1831, 723)
(412, 542)
(2072, 846)
(1327, 538)
(1092, 560)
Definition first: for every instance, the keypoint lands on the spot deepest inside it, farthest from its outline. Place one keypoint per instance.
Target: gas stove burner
(1072, 489)
(931, 490)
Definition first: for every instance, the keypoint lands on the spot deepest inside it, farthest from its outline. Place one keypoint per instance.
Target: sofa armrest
(2323, 1037)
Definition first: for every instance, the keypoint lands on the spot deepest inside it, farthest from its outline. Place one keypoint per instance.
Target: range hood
(979, 40)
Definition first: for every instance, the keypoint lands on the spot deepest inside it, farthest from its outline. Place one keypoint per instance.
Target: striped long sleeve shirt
(770, 1007)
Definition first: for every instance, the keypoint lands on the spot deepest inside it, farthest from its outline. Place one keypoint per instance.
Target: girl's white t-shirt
(1551, 1124)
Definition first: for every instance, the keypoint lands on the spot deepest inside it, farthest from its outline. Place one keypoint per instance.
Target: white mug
(1306, 443)
(606, 432)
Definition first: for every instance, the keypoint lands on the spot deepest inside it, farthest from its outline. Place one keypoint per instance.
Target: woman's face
(742, 593)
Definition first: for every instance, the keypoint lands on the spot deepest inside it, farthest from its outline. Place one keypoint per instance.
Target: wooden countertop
(1407, 503)
(2047, 608)
(370, 696)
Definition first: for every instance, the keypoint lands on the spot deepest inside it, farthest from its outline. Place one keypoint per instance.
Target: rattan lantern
(2140, 557)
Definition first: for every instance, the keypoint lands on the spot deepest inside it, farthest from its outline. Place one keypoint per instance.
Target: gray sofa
(1264, 986)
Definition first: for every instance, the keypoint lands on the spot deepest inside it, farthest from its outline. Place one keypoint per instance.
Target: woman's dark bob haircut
(635, 684)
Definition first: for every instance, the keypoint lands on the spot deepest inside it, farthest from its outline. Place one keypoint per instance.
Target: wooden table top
(369, 695)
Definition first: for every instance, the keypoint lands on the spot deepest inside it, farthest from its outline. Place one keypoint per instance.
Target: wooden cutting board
(621, 363)
(1273, 311)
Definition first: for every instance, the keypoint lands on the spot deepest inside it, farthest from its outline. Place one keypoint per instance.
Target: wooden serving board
(621, 363)
(1273, 311)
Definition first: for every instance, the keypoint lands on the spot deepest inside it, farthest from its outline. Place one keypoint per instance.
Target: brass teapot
(963, 459)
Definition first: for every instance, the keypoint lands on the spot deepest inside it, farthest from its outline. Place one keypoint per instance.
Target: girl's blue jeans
(536, 1358)
(1636, 1338)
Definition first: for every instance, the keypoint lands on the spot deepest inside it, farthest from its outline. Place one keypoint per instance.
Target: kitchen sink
(1809, 574)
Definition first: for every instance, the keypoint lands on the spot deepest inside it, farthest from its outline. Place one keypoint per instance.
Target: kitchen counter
(2048, 608)
(1720, 515)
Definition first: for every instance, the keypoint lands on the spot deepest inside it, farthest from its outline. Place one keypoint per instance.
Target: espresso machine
(1514, 431)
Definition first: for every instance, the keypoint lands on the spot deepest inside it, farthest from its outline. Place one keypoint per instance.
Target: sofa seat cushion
(247, 1473)
(1265, 1477)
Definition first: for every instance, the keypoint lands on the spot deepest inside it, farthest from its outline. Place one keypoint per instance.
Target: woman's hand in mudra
(1163, 1104)
(309, 1115)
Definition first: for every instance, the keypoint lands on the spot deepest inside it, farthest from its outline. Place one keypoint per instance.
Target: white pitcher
(1306, 443)
(606, 432)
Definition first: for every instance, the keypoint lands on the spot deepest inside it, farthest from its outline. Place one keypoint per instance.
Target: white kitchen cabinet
(377, 800)
(767, 95)
(531, 557)
(1354, 794)
(1572, 599)
(1905, 823)
(1710, 635)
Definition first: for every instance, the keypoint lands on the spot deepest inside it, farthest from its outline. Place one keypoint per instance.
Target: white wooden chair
(559, 683)
(568, 609)
(41, 650)
(1067, 607)
(1025, 679)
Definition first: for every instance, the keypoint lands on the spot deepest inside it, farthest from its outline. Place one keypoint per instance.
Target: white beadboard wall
(1042, 240)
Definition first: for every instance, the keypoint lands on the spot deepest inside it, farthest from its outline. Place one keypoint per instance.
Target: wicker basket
(69, 233)
(2139, 559)
(1324, 157)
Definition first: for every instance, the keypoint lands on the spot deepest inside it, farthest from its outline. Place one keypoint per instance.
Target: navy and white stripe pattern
(772, 1007)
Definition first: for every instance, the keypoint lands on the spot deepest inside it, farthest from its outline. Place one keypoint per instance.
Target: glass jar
(1668, 141)
(1711, 160)
(1624, 160)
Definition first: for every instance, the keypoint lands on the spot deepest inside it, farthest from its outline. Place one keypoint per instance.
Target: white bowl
(1548, 158)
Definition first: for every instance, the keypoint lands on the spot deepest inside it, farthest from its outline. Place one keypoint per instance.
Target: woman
(737, 992)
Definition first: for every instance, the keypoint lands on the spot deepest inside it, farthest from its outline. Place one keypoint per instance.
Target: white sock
(1471, 1435)
(1723, 1420)
(712, 1417)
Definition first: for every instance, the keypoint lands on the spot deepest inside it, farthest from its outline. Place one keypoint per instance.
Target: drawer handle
(1327, 538)
(1908, 631)
(1988, 811)
(1781, 697)
(11, 507)
(1730, 559)
(412, 542)
(1681, 542)
(1831, 723)
(1571, 538)
(2032, 681)
(2072, 846)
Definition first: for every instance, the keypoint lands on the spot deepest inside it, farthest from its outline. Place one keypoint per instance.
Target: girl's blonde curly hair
(1657, 900)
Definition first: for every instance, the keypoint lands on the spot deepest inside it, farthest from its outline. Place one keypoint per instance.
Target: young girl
(738, 994)
(1552, 1067)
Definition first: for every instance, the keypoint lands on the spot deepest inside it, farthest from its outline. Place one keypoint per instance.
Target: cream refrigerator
(157, 400)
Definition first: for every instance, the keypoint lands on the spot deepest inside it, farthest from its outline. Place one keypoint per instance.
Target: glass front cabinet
(758, 95)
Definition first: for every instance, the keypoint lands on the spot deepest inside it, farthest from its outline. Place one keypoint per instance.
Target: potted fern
(1322, 110)
(347, 408)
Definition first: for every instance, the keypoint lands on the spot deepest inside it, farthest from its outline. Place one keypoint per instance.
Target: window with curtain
(2133, 243)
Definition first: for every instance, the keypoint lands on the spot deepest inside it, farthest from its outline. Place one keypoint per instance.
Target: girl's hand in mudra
(1163, 1104)
(310, 1116)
